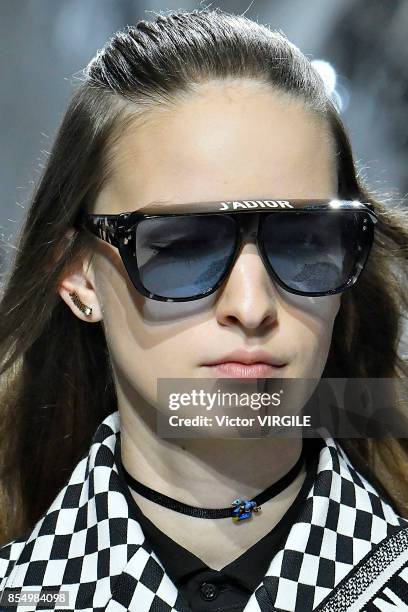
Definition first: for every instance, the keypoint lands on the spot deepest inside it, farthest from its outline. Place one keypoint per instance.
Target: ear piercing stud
(87, 310)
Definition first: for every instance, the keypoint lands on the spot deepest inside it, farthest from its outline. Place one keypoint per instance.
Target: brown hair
(56, 379)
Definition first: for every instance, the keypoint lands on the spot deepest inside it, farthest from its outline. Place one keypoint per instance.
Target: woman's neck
(203, 472)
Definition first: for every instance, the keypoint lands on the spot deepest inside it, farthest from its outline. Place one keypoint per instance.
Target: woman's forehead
(224, 147)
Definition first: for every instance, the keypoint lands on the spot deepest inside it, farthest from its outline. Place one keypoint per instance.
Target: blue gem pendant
(243, 509)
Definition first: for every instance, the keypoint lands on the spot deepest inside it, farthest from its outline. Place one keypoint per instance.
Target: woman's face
(235, 140)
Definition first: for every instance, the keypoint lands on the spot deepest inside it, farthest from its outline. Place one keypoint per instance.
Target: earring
(87, 310)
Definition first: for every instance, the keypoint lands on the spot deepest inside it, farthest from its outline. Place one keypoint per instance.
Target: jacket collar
(88, 543)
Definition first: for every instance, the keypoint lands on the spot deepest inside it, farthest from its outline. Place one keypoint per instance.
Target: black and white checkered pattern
(88, 544)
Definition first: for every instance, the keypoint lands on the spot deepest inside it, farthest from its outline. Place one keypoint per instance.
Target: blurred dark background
(359, 44)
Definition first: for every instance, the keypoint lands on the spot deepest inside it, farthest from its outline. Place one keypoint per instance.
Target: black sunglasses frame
(118, 230)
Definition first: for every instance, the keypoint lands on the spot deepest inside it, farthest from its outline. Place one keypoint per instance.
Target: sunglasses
(184, 252)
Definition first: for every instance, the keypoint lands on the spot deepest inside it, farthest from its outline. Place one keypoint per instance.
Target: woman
(200, 112)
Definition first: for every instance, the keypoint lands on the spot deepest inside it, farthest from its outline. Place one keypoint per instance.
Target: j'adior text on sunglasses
(184, 252)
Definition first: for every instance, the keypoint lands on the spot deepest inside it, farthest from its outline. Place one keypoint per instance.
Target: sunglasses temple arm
(104, 227)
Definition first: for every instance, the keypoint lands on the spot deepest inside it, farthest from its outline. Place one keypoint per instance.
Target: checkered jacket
(347, 550)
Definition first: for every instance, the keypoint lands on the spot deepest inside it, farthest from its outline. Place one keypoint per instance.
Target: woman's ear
(76, 287)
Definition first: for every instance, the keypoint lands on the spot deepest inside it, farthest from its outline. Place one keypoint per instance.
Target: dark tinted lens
(316, 251)
(183, 256)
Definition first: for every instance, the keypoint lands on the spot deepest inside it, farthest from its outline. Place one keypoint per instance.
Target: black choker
(239, 510)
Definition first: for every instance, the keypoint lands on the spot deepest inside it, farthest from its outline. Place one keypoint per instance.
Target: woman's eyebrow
(168, 206)
(157, 204)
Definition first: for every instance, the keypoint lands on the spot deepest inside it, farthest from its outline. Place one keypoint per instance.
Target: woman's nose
(248, 296)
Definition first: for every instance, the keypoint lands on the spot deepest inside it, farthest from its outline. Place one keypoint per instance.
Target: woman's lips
(235, 369)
